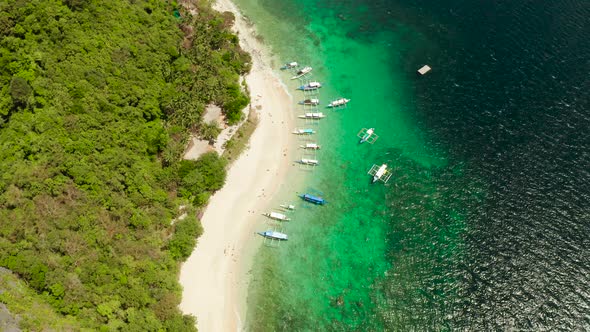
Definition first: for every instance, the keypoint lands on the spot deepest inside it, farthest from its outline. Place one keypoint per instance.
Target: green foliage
(213, 43)
(235, 102)
(185, 235)
(207, 174)
(75, 4)
(96, 98)
(237, 144)
(180, 323)
(209, 131)
(27, 264)
(20, 91)
(34, 313)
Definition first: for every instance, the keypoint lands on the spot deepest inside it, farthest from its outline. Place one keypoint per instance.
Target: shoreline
(215, 277)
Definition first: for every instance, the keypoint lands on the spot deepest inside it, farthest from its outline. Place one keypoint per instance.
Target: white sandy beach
(214, 277)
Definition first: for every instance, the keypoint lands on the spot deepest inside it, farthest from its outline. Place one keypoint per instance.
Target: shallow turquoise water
(463, 236)
(329, 272)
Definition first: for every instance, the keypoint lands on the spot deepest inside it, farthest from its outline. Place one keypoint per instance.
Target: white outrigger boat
(310, 86)
(367, 135)
(311, 102)
(274, 235)
(319, 115)
(277, 216)
(289, 207)
(289, 65)
(310, 162)
(380, 173)
(273, 238)
(302, 72)
(339, 102)
(311, 146)
(306, 131)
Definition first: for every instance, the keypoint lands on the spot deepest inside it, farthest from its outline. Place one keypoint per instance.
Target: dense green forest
(96, 100)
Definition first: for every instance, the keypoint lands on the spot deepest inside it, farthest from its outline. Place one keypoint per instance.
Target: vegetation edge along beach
(96, 105)
(254, 183)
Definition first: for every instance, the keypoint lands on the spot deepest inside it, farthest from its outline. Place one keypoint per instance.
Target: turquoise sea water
(481, 225)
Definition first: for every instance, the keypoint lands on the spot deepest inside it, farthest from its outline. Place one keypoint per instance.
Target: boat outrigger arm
(380, 173)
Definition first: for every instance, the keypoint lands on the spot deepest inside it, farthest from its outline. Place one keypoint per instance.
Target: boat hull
(367, 135)
(313, 199)
(288, 206)
(311, 146)
(309, 162)
(310, 86)
(302, 72)
(277, 216)
(304, 132)
(274, 235)
(310, 102)
(289, 65)
(313, 116)
(338, 103)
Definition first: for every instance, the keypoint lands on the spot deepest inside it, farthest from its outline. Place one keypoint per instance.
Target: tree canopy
(96, 99)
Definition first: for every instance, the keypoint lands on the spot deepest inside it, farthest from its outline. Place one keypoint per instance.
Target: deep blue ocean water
(485, 222)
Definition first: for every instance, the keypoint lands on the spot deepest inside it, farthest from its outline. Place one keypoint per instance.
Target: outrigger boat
(312, 116)
(313, 199)
(311, 102)
(339, 102)
(274, 235)
(310, 86)
(303, 71)
(289, 65)
(380, 173)
(277, 216)
(310, 162)
(367, 135)
(306, 131)
(290, 207)
(310, 146)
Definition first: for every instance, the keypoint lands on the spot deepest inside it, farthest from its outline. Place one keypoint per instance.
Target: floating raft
(424, 70)
(313, 199)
